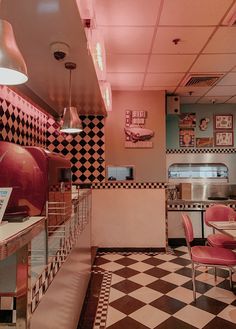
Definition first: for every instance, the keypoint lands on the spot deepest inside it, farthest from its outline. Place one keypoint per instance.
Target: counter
(196, 210)
(13, 236)
(15, 270)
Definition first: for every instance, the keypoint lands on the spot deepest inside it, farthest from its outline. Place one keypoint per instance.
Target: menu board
(5, 193)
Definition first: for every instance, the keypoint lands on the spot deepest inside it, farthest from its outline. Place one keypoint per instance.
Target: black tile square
(126, 261)
(174, 323)
(126, 286)
(162, 286)
(127, 323)
(168, 304)
(126, 272)
(219, 323)
(181, 261)
(153, 261)
(201, 287)
(127, 304)
(209, 305)
(157, 272)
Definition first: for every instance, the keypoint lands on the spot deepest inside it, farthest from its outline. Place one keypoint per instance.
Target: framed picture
(204, 142)
(187, 120)
(223, 122)
(186, 137)
(224, 138)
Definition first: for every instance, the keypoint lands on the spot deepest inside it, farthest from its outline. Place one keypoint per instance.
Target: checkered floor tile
(154, 290)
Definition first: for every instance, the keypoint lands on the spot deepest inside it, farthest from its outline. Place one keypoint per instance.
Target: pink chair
(219, 212)
(206, 255)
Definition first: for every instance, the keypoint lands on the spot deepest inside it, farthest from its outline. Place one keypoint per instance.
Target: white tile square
(112, 257)
(172, 267)
(139, 257)
(165, 257)
(182, 248)
(116, 278)
(146, 294)
(194, 316)
(115, 294)
(182, 294)
(143, 279)
(223, 295)
(141, 267)
(149, 316)
(112, 266)
(228, 313)
(176, 278)
(113, 316)
(209, 278)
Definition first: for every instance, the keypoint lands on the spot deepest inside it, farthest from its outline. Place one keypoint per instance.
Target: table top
(225, 227)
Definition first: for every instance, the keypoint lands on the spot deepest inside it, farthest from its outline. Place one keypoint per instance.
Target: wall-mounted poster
(203, 124)
(186, 137)
(223, 122)
(187, 120)
(136, 134)
(204, 142)
(224, 138)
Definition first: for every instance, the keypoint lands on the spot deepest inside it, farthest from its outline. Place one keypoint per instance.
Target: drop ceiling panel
(192, 39)
(128, 40)
(189, 100)
(196, 91)
(125, 80)
(163, 79)
(193, 12)
(232, 100)
(168, 90)
(170, 63)
(126, 63)
(213, 100)
(223, 41)
(222, 91)
(214, 63)
(127, 12)
(228, 80)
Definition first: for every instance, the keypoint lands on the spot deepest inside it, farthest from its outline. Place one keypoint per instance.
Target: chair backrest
(188, 228)
(218, 212)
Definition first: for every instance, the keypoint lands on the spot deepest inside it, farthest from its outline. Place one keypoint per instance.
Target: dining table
(225, 227)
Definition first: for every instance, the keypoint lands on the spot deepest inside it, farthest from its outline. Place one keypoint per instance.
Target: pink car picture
(136, 133)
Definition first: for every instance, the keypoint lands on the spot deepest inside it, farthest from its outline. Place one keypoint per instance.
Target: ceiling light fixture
(71, 121)
(13, 69)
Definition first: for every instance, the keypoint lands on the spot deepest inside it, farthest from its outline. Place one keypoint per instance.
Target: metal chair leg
(193, 279)
(230, 279)
(215, 273)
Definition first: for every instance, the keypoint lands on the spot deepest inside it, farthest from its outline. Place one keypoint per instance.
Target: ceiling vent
(201, 80)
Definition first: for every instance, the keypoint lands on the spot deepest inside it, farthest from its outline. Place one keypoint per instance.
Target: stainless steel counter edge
(12, 240)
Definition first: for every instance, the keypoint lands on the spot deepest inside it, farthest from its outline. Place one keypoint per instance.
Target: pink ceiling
(141, 54)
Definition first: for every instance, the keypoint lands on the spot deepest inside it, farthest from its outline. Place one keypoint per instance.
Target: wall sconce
(13, 69)
(71, 121)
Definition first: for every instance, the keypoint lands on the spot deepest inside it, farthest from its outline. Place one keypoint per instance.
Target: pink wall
(150, 164)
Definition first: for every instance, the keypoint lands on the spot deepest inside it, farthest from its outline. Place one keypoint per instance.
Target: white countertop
(8, 230)
(15, 235)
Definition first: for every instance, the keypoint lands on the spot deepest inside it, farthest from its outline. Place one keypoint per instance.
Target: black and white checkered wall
(22, 123)
(86, 151)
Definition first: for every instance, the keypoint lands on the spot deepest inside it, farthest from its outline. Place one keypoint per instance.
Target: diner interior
(117, 158)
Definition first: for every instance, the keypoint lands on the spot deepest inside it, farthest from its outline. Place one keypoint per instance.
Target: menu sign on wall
(5, 193)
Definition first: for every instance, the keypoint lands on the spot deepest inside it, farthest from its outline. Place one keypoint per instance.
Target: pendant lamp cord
(70, 90)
